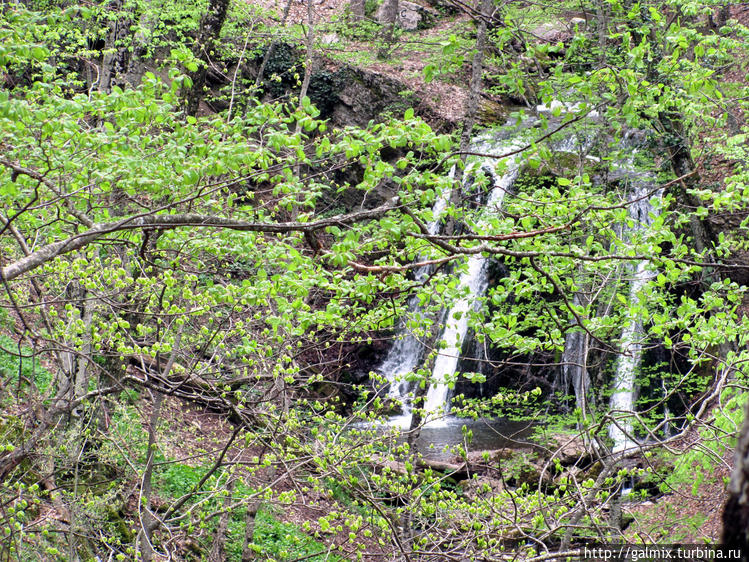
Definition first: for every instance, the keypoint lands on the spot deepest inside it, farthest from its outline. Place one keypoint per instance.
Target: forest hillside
(379, 280)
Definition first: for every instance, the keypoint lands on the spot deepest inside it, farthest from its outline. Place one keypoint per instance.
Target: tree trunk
(272, 47)
(736, 510)
(603, 32)
(308, 61)
(717, 22)
(116, 60)
(472, 103)
(135, 65)
(205, 49)
(308, 64)
(148, 521)
(356, 7)
(389, 16)
(683, 166)
(82, 374)
(248, 554)
(218, 550)
(477, 72)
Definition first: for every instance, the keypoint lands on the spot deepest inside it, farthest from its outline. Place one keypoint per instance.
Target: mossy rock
(120, 524)
(490, 112)
(561, 164)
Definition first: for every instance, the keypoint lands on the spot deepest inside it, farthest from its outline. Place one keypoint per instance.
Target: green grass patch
(273, 539)
(284, 541)
(14, 361)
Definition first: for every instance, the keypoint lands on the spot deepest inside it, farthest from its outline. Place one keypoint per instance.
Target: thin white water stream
(471, 286)
(407, 352)
(623, 398)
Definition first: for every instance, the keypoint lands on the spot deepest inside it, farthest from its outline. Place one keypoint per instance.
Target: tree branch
(149, 221)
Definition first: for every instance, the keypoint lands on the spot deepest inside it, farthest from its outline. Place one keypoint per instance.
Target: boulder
(515, 466)
(550, 32)
(329, 39)
(575, 473)
(531, 473)
(554, 32)
(479, 461)
(580, 23)
(411, 16)
(480, 487)
(568, 475)
(569, 449)
(491, 112)
(366, 95)
(561, 163)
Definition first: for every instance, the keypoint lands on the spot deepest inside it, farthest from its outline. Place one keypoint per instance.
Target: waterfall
(474, 280)
(408, 350)
(623, 398)
(472, 284)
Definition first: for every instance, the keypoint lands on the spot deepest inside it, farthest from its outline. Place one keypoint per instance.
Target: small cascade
(408, 350)
(472, 285)
(475, 281)
(623, 398)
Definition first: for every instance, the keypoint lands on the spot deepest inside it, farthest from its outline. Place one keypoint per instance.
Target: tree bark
(736, 510)
(717, 22)
(472, 104)
(218, 550)
(683, 166)
(477, 72)
(272, 47)
(602, 9)
(135, 66)
(356, 7)
(389, 17)
(205, 49)
(148, 521)
(116, 60)
(82, 375)
(248, 553)
(308, 61)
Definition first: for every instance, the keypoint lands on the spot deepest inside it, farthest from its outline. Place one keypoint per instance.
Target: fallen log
(455, 470)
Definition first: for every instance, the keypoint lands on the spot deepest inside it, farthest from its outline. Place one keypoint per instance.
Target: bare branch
(150, 221)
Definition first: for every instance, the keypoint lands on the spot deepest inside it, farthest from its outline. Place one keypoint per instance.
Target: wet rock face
(365, 95)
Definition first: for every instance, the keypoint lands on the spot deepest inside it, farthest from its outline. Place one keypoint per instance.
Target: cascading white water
(623, 398)
(456, 325)
(472, 285)
(407, 351)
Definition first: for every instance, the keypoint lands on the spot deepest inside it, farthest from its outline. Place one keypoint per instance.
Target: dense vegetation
(202, 260)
